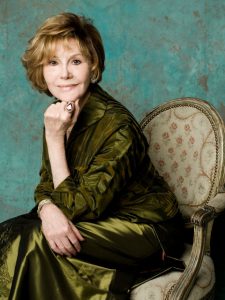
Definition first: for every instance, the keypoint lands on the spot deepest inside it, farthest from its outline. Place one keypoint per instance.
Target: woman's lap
(111, 243)
(118, 242)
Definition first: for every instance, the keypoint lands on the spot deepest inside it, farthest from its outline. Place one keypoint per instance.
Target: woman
(102, 212)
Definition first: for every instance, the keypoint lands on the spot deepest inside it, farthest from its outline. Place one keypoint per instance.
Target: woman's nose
(65, 73)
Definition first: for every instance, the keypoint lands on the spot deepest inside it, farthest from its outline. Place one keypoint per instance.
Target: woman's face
(68, 72)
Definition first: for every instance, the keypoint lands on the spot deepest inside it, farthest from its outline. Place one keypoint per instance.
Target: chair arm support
(182, 288)
(203, 216)
(218, 201)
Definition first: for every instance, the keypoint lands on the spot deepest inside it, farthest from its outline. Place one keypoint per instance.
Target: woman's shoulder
(114, 108)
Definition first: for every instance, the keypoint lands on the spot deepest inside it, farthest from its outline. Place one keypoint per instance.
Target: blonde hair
(63, 27)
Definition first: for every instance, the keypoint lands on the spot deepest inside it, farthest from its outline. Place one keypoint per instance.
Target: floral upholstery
(186, 139)
(183, 145)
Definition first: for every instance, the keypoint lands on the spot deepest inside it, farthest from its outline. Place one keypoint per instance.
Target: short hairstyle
(63, 27)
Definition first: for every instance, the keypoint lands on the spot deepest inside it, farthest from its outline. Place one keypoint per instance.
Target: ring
(69, 107)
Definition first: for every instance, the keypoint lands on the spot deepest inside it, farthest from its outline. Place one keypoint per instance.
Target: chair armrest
(182, 288)
(203, 216)
(218, 201)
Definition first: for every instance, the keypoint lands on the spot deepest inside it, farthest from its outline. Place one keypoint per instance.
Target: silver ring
(69, 107)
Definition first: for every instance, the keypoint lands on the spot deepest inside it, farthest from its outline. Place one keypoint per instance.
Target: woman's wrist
(55, 143)
(41, 204)
(55, 137)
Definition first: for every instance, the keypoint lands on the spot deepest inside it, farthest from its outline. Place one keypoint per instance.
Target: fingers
(55, 248)
(76, 245)
(66, 111)
(62, 235)
(64, 247)
(73, 240)
(75, 237)
(69, 107)
(67, 244)
(68, 248)
(76, 232)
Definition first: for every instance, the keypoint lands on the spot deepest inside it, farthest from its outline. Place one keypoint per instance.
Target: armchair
(186, 145)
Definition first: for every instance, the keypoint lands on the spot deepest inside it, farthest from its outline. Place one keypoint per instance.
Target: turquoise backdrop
(155, 50)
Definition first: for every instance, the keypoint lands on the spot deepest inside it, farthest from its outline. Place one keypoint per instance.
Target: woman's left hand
(62, 235)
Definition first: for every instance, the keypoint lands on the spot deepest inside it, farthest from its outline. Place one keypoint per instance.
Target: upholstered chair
(186, 145)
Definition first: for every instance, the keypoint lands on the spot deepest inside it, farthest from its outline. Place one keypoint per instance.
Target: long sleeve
(45, 187)
(111, 169)
(111, 172)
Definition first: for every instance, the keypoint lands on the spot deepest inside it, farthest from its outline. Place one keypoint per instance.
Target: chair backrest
(186, 146)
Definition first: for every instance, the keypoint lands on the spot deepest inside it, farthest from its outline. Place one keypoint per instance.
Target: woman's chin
(67, 97)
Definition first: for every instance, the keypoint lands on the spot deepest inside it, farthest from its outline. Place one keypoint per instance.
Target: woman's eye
(76, 62)
(52, 62)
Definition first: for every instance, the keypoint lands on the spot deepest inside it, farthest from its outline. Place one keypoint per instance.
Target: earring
(93, 80)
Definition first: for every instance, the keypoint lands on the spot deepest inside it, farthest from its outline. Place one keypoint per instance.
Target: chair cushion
(156, 289)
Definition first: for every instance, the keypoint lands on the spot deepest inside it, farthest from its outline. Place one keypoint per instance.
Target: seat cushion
(157, 288)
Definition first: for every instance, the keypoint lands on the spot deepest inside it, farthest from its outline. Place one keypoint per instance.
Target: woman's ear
(94, 75)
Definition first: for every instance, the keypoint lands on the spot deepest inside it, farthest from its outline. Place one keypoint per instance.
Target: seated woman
(102, 211)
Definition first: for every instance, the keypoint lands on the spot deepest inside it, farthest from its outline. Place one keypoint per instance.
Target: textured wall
(156, 50)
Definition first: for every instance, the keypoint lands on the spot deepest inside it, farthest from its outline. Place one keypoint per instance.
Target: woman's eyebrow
(71, 56)
(76, 54)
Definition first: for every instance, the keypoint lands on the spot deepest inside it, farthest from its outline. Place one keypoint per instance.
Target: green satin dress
(122, 207)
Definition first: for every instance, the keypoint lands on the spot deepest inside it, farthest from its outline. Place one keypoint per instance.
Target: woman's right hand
(62, 235)
(58, 120)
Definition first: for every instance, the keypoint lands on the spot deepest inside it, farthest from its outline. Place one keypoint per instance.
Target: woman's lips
(67, 87)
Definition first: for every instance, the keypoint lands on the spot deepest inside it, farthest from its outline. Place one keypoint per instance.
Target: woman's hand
(58, 119)
(58, 124)
(61, 234)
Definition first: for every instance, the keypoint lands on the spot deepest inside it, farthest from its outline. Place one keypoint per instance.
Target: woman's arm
(62, 236)
(57, 123)
(53, 147)
(118, 159)
(57, 156)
